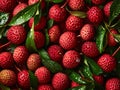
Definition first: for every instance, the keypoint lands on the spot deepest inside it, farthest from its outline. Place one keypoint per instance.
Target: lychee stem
(64, 4)
(116, 51)
(8, 43)
(17, 68)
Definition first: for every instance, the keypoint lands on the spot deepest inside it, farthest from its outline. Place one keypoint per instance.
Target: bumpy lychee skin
(7, 77)
(107, 62)
(54, 33)
(23, 79)
(19, 8)
(95, 15)
(7, 5)
(87, 32)
(74, 84)
(74, 23)
(71, 59)
(113, 84)
(107, 8)
(45, 87)
(60, 81)
(6, 60)
(56, 53)
(39, 39)
(97, 2)
(68, 40)
(99, 79)
(111, 39)
(33, 62)
(76, 4)
(57, 13)
(90, 49)
(43, 75)
(16, 34)
(20, 54)
(40, 25)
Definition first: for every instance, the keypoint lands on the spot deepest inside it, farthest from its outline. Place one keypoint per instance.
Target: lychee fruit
(45, 87)
(19, 8)
(95, 15)
(113, 84)
(74, 23)
(71, 59)
(111, 38)
(97, 2)
(90, 49)
(68, 40)
(74, 84)
(54, 33)
(20, 54)
(107, 8)
(57, 13)
(107, 62)
(43, 75)
(16, 34)
(39, 39)
(76, 4)
(60, 81)
(99, 79)
(7, 5)
(23, 79)
(87, 32)
(33, 62)
(56, 52)
(40, 25)
(7, 77)
(6, 60)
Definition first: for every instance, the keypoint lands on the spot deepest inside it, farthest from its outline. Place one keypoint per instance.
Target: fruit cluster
(59, 44)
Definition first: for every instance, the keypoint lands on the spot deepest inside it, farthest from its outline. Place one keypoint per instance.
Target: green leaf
(88, 2)
(116, 25)
(30, 44)
(54, 67)
(33, 80)
(57, 1)
(3, 18)
(114, 10)
(117, 37)
(93, 66)
(47, 41)
(24, 15)
(50, 23)
(101, 38)
(4, 87)
(2, 32)
(83, 87)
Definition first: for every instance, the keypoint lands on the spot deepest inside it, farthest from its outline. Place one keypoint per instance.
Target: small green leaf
(24, 15)
(93, 66)
(54, 67)
(88, 2)
(2, 32)
(114, 10)
(47, 41)
(3, 18)
(57, 1)
(33, 80)
(30, 44)
(101, 38)
(117, 37)
(50, 23)
(83, 87)
(4, 87)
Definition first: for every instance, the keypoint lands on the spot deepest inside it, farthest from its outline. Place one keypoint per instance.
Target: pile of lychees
(59, 45)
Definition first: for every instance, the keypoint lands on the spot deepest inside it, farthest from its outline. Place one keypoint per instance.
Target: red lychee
(43, 75)
(20, 54)
(16, 34)
(60, 81)
(113, 84)
(68, 40)
(90, 49)
(7, 77)
(6, 60)
(57, 13)
(54, 33)
(99, 79)
(74, 84)
(33, 61)
(71, 59)
(107, 62)
(55, 52)
(40, 25)
(45, 87)
(97, 2)
(74, 23)
(76, 4)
